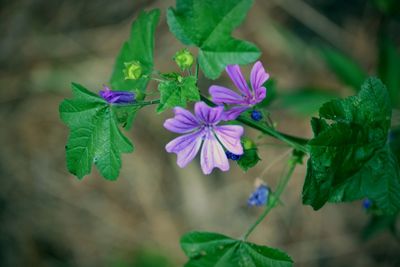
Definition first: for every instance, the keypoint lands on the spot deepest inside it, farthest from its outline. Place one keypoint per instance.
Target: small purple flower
(259, 197)
(201, 131)
(117, 97)
(247, 97)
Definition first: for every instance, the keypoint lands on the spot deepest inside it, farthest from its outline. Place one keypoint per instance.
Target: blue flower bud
(259, 197)
(232, 156)
(256, 115)
(367, 203)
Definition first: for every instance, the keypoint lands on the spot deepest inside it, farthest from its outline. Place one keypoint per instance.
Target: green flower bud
(133, 70)
(248, 143)
(184, 59)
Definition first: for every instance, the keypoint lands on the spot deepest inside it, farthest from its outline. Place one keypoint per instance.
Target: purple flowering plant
(349, 145)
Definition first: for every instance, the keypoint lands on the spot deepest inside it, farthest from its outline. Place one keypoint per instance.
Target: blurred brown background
(49, 218)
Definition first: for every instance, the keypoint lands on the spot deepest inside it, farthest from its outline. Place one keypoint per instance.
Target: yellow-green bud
(248, 143)
(180, 78)
(133, 70)
(184, 59)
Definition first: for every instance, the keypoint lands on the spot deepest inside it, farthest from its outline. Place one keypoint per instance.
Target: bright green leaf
(216, 250)
(138, 48)
(349, 155)
(177, 93)
(208, 25)
(94, 137)
(346, 69)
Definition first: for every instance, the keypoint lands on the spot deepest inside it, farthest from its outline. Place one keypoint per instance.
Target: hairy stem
(275, 198)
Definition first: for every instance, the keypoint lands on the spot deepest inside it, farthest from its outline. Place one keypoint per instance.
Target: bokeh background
(48, 218)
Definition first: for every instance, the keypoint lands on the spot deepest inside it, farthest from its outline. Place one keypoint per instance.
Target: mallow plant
(349, 158)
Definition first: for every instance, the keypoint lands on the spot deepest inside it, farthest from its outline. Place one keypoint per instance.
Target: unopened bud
(133, 70)
(248, 143)
(184, 59)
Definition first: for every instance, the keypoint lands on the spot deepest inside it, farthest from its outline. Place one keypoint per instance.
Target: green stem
(197, 69)
(144, 103)
(296, 142)
(157, 80)
(274, 199)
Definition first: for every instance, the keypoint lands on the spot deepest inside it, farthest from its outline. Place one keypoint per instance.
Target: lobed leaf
(94, 135)
(208, 25)
(215, 250)
(177, 93)
(349, 155)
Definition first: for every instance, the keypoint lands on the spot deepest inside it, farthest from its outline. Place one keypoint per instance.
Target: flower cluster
(218, 143)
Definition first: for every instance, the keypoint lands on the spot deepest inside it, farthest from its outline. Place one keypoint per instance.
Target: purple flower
(117, 97)
(201, 131)
(259, 197)
(247, 97)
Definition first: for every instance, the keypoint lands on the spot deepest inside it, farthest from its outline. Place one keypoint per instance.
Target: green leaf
(216, 250)
(177, 93)
(208, 25)
(347, 70)
(389, 68)
(349, 155)
(94, 135)
(139, 47)
(249, 159)
(305, 101)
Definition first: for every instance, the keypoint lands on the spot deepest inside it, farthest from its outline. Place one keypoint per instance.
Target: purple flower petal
(179, 143)
(258, 76)
(260, 93)
(117, 97)
(229, 136)
(208, 114)
(186, 147)
(234, 112)
(238, 79)
(183, 122)
(212, 155)
(222, 95)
